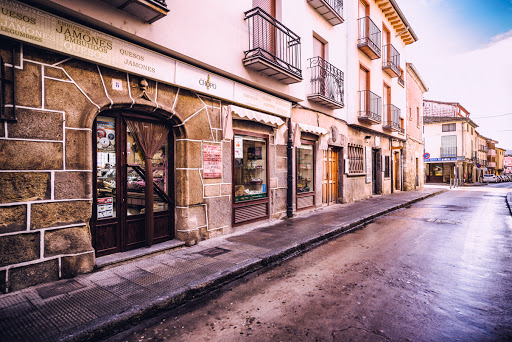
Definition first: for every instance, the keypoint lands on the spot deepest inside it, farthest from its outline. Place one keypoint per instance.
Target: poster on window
(212, 161)
(239, 148)
(105, 207)
(105, 138)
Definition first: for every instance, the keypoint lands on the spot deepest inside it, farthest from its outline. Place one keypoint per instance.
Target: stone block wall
(413, 149)
(45, 179)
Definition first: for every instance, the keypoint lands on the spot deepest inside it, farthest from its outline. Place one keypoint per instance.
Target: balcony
(482, 148)
(370, 107)
(331, 10)
(449, 152)
(391, 61)
(274, 50)
(491, 152)
(326, 83)
(369, 37)
(146, 10)
(401, 81)
(392, 115)
(491, 165)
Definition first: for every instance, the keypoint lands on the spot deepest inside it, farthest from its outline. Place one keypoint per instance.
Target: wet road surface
(440, 270)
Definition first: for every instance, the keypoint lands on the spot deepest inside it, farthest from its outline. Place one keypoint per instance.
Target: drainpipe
(289, 180)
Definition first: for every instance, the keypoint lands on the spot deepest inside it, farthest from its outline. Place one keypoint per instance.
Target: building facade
(119, 134)
(414, 174)
(449, 145)
(500, 159)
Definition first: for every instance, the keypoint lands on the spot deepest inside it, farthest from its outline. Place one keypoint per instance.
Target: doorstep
(122, 257)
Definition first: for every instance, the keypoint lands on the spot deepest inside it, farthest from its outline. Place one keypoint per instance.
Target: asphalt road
(440, 270)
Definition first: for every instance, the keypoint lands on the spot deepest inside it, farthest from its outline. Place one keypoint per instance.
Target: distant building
(414, 175)
(450, 145)
(500, 158)
(439, 108)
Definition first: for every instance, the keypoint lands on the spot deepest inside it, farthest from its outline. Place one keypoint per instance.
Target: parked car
(490, 178)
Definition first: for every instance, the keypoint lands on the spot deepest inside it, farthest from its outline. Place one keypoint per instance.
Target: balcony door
(364, 9)
(385, 45)
(386, 100)
(319, 51)
(123, 187)
(364, 85)
(265, 31)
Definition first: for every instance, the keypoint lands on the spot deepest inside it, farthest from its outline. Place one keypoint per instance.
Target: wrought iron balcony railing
(273, 48)
(401, 81)
(392, 118)
(370, 107)
(369, 38)
(326, 83)
(331, 10)
(449, 152)
(391, 61)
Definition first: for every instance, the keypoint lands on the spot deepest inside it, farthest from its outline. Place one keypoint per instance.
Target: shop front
(130, 209)
(111, 158)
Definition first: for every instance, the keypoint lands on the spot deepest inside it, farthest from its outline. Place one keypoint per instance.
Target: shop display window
(250, 168)
(106, 167)
(305, 169)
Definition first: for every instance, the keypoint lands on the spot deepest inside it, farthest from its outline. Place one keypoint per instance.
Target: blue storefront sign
(443, 159)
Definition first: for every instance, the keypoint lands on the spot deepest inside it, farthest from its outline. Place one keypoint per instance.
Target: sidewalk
(95, 305)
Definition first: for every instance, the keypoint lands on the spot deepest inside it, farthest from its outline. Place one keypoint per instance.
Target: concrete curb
(508, 199)
(107, 326)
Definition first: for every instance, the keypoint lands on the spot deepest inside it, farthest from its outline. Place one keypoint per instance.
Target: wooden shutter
(268, 6)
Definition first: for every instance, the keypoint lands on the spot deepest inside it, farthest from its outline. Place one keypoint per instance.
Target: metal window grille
(356, 159)
(448, 146)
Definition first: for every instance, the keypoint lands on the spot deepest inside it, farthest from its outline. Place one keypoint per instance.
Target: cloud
(501, 36)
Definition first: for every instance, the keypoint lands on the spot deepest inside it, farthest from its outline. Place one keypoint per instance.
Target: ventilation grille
(251, 212)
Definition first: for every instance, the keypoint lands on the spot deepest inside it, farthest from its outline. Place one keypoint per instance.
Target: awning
(322, 132)
(252, 115)
(312, 129)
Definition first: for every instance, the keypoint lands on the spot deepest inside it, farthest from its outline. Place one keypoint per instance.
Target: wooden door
(330, 176)
(364, 84)
(397, 170)
(363, 9)
(118, 222)
(385, 45)
(319, 51)
(386, 99)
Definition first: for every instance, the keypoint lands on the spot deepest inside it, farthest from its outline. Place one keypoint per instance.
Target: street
(437, 271)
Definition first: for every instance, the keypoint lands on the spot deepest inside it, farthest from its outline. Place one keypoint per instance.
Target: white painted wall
(377, 75)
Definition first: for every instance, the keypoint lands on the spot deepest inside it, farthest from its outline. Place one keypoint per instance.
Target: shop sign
(105, 207)
(36, 27)
(29, 24)
(239, 148)
(212, 161)
(263, 101)
(197, 79)
(444, 159)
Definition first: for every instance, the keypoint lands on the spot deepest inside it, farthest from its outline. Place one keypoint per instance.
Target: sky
(464, 54)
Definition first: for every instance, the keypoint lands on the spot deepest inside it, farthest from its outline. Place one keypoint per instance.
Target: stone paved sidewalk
(95, 305)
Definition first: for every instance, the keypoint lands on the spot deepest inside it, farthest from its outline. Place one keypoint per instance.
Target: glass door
(119, 220)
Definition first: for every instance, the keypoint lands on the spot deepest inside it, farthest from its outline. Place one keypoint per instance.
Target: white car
(490, 178)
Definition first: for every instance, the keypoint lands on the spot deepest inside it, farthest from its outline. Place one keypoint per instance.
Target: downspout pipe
(289, 179)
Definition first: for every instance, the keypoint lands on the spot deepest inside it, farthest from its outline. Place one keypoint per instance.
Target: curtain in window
(150, 136)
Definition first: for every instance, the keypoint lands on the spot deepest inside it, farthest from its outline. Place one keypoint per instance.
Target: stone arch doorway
(131, 209)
